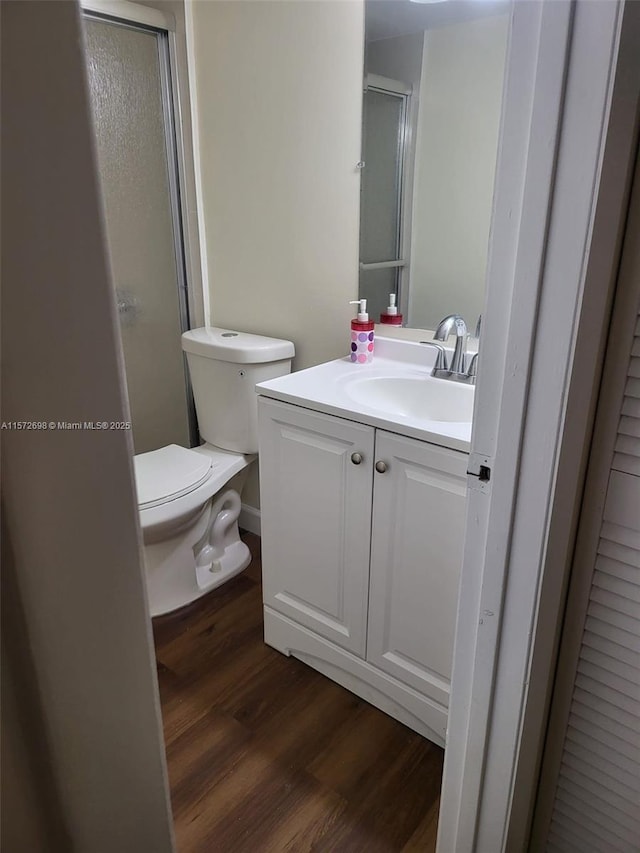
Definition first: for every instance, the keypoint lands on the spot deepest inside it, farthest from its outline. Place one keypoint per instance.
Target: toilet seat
(193, 482)
(168, 473)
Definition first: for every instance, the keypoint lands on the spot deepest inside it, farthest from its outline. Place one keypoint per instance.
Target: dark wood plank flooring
(266, 755)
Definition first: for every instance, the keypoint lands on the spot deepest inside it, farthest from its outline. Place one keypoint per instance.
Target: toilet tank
(225, 367)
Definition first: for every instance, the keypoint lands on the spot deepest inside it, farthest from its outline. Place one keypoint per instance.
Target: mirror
(433, 78)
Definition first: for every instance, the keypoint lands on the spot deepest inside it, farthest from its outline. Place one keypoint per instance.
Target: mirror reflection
(433, 77)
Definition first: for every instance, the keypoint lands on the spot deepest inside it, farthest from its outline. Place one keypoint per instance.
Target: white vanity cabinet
(316, 520)
(416, 555)
(362, 534)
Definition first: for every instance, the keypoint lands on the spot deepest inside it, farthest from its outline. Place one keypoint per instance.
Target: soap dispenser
(361, 335)
(391, 316)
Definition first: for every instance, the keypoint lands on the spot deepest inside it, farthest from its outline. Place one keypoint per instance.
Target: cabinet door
(316, 520)
(416, 555)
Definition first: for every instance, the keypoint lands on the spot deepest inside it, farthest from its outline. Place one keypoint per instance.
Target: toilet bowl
(189, 499)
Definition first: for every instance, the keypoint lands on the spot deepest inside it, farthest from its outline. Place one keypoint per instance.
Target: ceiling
(389, 18)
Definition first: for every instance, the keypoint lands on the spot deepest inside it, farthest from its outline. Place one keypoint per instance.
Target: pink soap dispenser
(391, 316)
(362, 335)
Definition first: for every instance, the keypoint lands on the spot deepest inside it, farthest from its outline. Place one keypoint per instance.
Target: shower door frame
(403, 92)
(185, 236)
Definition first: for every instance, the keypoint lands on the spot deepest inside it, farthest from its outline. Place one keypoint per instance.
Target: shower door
(128, 70)
(384, 139)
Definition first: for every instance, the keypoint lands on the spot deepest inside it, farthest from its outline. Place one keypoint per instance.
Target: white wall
(460, 103)
(399, 58)
(279, 99)
(79, 634)
(277, 90)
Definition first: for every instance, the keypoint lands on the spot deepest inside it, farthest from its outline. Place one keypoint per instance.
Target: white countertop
(325, 388)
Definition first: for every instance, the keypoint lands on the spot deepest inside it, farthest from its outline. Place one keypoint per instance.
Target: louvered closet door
(597, 801)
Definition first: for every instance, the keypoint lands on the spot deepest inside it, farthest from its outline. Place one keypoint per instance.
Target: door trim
(555, 240)
(124, 10)
(535, 71)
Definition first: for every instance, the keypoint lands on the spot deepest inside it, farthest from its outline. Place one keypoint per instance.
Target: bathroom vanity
(363, 484)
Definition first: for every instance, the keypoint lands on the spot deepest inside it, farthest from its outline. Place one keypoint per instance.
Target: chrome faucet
(445, 327)
(456, 370)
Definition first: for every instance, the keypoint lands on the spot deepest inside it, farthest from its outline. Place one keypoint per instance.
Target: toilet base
(200, 557)
(235, 559)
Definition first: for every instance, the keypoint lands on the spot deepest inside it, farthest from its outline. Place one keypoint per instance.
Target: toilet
(189, 499)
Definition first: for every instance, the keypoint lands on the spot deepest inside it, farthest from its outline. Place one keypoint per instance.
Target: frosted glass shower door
(126, 86)
(384, 117)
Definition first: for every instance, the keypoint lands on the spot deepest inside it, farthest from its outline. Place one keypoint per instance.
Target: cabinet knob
(356, 458)
(381, 467)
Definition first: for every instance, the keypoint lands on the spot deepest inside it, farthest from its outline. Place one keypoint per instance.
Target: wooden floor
(266, 755)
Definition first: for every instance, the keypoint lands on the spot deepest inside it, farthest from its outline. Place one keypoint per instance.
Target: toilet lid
(168, 473)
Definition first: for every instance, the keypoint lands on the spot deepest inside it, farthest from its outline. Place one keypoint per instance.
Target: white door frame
(569, 123)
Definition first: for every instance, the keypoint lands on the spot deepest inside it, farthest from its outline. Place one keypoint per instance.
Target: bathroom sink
(414, 397)
(396, 392)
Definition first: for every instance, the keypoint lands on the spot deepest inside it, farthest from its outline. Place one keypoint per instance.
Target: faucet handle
(441, 356)
(472, 369)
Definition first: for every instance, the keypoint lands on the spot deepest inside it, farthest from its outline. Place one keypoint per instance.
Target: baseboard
(250, 519)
